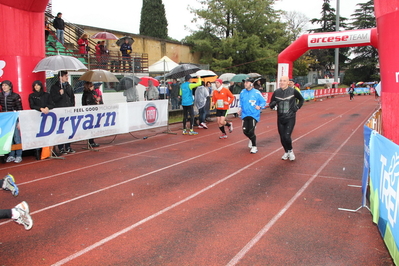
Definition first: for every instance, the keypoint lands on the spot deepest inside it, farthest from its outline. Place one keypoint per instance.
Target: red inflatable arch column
(21, 43)
(387, 14)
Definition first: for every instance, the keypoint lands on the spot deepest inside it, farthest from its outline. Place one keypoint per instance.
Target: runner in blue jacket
(251, 102)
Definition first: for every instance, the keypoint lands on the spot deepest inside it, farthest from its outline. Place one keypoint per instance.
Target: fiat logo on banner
(150, 114)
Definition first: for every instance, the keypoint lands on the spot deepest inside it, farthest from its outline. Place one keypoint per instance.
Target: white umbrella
(58, 63)
(227, 76)
(204, 74)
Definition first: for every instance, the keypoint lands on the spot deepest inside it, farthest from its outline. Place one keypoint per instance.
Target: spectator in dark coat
(41, 101)
(59, 25)
(62, 96)
(90, 97)
(10, 102)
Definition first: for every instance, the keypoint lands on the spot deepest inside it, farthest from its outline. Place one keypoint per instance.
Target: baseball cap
(249, 79)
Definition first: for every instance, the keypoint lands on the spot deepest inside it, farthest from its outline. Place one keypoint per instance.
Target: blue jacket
(248, 100)
(186, 92)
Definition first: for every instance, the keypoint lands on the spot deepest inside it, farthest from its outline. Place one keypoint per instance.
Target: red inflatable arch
(323, 41)
(21, 43)
(384, 38)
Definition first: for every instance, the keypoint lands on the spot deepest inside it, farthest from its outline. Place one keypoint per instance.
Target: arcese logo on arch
(339, 38)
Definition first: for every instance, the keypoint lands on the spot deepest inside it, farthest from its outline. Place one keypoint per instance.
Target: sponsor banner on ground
(7, 127)
(64, 125)
(384, 190)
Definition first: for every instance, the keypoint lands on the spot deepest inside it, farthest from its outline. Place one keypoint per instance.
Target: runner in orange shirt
(221, 99)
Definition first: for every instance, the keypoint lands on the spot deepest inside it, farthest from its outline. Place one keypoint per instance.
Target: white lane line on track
(274, 220)
(127, 229)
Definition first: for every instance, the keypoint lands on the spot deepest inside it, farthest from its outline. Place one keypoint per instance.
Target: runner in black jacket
(284, 99)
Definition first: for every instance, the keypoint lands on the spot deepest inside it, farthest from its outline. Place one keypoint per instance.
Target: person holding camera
(126, 50)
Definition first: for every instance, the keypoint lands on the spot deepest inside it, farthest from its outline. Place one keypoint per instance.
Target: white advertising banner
(339, 38)
(283, 70)
(64, 125)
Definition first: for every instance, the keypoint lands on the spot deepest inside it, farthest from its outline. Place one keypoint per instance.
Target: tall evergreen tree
(153, 21)
(326, 57)
(364, 65)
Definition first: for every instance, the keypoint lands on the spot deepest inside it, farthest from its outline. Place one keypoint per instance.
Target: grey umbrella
(182, 71)
(227, 76)
(127, 82)
(59, 62)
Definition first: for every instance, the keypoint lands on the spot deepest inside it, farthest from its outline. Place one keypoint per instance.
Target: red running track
(198, 200)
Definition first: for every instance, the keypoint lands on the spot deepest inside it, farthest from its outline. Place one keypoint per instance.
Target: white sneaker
(24, 217)
(18, 159)
(231, 127)
(250, 144)
(10, 159)
(291, 155)
(254, 149)
(285, 156)
(204, 125)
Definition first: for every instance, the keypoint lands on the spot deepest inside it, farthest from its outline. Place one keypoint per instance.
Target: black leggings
(285, 129)
(188, 111)
(248, 127)
(5, 214)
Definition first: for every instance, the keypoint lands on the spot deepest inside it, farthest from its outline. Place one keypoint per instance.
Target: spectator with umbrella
(151, 92)
(128, 85)
(90, 97)
(174, 89)
(62, 96)
(126, 50)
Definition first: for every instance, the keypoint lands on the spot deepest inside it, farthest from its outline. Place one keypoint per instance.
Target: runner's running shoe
(254, 149)
(204, 125)
(291, 155)
(223, 136)
(185, 132)
(285, 156)
(231, 127)
(9, 184)
(24, 217)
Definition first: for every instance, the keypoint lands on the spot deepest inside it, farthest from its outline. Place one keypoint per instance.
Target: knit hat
(219, 80)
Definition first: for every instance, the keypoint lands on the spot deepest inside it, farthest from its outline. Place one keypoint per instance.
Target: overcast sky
(124, 15)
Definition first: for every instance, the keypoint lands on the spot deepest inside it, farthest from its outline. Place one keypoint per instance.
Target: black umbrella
(127, 82)
(120, 41)
(182, 71)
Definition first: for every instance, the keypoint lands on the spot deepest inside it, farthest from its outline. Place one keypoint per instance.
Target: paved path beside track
(198, 200)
